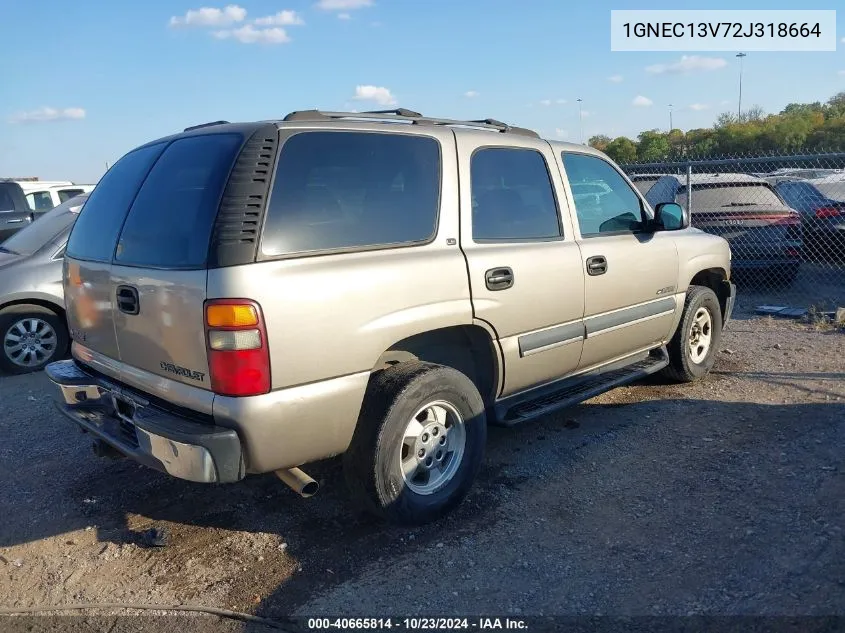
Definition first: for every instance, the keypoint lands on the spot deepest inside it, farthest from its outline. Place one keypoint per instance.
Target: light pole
(671, 127)
(580, 122)
(739, 107)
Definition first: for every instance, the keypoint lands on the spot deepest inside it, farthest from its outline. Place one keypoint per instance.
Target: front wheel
(418, 444)
(692, 351)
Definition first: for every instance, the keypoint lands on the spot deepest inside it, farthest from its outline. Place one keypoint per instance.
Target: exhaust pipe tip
(298, 481)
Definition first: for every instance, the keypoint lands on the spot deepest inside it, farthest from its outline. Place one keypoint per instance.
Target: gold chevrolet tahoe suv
(251, 297)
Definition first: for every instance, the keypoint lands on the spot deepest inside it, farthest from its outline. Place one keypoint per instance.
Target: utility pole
(580, 121)
(671, 127)
(739, 108)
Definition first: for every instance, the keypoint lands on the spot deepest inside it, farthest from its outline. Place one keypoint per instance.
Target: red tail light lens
(792, 252)
(236, 340)
(828, 212)
(792, 219)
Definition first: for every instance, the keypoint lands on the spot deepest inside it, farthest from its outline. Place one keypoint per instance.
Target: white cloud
(282, 18)
(561, 133)
(545, 102)
(698, 107)
(344, 16)
(44, 114)
(377, 94)
(586, 113)
(616, 79)
(560, 101)
(841, 73)
(843, 40)
(725, 102)
(688, 64)
(343, 5)
(209, 16)
(248, 34)
(471, 94)
(642, 102)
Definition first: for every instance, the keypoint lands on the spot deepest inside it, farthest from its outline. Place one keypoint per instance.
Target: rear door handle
(596, 265)
(499, 278)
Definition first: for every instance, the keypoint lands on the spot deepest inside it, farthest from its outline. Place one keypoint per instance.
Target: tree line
(811, 127)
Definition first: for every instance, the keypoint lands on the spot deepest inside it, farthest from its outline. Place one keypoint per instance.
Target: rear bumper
(170, 443)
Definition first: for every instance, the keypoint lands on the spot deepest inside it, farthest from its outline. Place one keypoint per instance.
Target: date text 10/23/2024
(418, 624)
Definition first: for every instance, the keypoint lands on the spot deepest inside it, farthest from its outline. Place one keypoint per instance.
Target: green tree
(600, 142)
(652, 146)
(622, 150)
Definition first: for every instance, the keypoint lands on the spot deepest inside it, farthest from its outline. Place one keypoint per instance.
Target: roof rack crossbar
(202, 125)
(409, 116)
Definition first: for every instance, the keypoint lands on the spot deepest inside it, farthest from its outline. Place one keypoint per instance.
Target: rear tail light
(792, 252)
(792, 219)
(236, 339)
(828, 212)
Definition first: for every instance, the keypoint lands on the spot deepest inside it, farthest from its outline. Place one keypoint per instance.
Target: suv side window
(347, 190)
(40, 201)
(604, 202)
(512, 196)
(95, 233)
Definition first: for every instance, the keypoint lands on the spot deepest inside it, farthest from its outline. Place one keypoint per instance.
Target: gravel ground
(723, 497)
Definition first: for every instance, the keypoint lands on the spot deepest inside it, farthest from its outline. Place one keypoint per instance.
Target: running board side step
(572, 391)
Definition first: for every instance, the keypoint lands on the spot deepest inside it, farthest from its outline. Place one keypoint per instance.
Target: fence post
(689, 190)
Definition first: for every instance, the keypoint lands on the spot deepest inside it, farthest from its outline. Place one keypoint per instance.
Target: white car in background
(43, 195)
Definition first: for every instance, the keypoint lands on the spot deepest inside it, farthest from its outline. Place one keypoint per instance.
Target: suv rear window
(170, 222)
(336, 190)
(95, 233)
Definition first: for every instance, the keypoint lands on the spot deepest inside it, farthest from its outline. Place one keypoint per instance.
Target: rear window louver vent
(235, 237)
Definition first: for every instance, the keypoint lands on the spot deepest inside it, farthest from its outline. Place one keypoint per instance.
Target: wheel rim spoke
(426, 464)
(30, 342)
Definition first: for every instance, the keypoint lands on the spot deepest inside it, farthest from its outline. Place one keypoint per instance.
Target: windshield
(45, 229)
(729, 195)
(801, 195)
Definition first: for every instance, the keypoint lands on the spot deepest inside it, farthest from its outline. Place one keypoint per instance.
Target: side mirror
(670, 216)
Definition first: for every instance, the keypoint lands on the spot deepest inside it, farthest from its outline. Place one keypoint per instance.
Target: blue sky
(87, 85)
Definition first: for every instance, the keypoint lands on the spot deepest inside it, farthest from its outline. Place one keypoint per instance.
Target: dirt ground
(724, 497)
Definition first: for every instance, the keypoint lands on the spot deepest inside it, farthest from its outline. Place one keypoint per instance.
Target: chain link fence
(784, 217)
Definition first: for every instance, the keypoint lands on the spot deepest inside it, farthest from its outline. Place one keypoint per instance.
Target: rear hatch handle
(127, 300)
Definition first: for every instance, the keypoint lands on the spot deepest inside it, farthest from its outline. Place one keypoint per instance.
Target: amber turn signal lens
(231, 315)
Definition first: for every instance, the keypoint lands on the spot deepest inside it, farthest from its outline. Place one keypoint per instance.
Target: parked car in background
(644, 182)
(15, 213)
(764, 233)
(43, 195)
(32, 316)
(823, 218)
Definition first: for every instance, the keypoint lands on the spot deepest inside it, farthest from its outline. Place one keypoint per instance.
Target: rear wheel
(30, 337)
(692, 351)
(419, 443)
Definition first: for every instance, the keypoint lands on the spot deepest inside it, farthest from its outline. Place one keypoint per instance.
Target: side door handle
(596, 265)
(499, 278)
(127, 300)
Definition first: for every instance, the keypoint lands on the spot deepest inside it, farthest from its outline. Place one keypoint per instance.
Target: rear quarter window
(95, 233)
(169, 224)
(347, 190)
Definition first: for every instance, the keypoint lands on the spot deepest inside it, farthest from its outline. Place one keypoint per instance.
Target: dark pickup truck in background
(15, 213)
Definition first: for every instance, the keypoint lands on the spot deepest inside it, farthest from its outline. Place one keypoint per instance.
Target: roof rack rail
(202, 125)
(409, 116)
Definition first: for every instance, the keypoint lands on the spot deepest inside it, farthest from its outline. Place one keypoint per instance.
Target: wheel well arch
(715, 279)
(42, 303)
(469, 349)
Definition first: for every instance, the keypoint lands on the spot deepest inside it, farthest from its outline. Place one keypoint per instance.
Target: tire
(49, 343)
(373, 464)
(683, 365)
